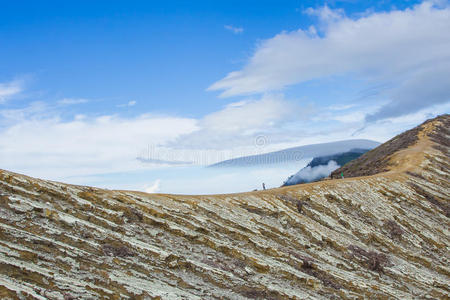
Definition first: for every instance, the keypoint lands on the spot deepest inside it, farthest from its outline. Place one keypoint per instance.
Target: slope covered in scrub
(379, 236)
(378, 160)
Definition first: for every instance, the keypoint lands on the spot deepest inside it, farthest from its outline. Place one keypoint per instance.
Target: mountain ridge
(379, 236)
(378, 160)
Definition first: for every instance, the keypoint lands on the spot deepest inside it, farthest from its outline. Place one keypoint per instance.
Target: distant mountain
(296, 154)
(322, 166)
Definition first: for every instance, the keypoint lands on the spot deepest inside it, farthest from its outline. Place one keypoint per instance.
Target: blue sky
(85, 86)
(162, 54)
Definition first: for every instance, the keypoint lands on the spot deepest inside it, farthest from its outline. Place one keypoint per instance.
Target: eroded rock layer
(379, 236)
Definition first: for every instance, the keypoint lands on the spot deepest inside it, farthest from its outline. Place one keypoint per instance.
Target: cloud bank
(238, 124)
(309, 174)
(38, 142)
(406, 52)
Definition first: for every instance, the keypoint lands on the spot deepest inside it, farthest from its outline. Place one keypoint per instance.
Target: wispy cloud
(34, 111)
(72, 101)
(154, 188)
(233, 29)
(128, 104)
(406, 50)
(339, 107)
(10, 89)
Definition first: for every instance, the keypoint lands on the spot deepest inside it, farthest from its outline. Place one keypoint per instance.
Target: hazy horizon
(88, 88)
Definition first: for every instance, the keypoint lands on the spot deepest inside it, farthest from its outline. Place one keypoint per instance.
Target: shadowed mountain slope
(322, 166)
(379, 159)
(379, 236)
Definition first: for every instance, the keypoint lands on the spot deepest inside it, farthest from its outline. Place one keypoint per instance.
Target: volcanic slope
(385, 235)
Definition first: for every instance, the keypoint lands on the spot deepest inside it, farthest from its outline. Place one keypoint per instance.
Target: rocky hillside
(380, 236)
(380, 159)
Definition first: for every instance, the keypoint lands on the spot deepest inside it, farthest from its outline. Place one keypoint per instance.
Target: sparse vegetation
(395, 230)
(235, 266)
(299, 206)
(440, 135)
(299, 203)
(255, 210)
(415, 175)
(377, 160)
(260, 293)
(331, 198)
(309, 268)
(68, 296)
(307, 263)
(432, 199)
(133, 215)
(374, 261)
(120, 251)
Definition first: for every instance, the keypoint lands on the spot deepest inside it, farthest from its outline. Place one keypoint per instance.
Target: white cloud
(237, 104)
(233, 29)
(37, 135)
(407, 50)
(249, 116)
(9, 89)
(47, 146)
(309, 174)
(154, 188)
(325, 14)
(238, 124)
(132, 103)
